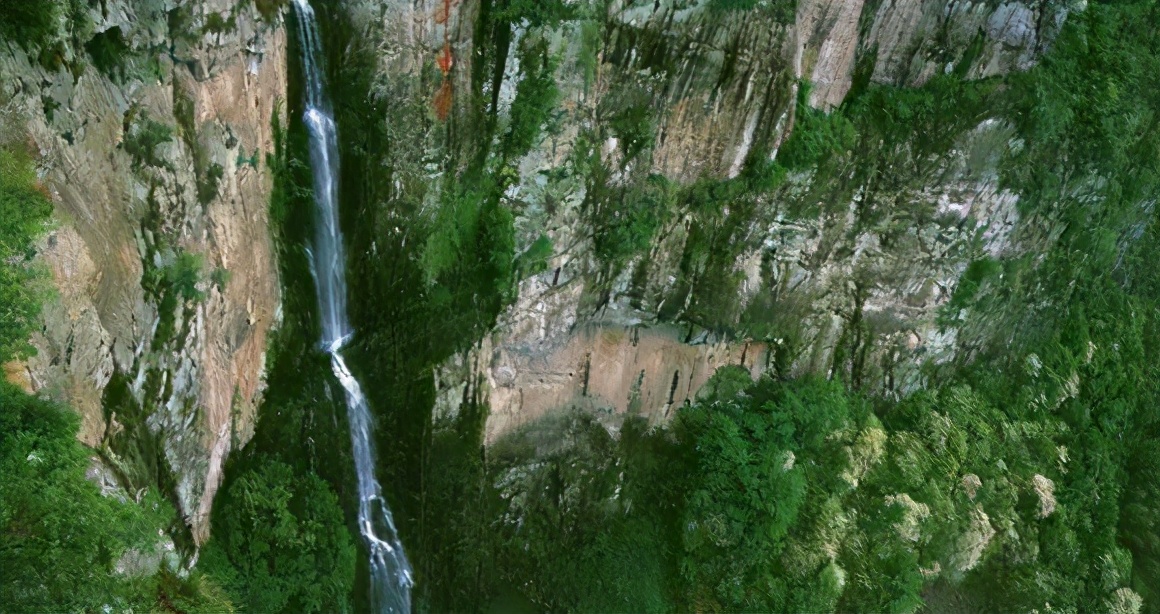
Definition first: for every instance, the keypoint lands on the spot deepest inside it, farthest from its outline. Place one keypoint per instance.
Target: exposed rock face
(909, 528)
(825, 49)
(155, 160)
(912, 40)
(857, 282)
(1045, 490)
(610, 370)
(973, 542)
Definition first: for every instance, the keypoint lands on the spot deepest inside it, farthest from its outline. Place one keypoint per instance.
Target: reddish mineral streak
(445, 59)
(443, 100)
(443, 11)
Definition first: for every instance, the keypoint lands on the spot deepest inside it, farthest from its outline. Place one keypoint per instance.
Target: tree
(763, 454)
(24, 210)
(280, 542)
(60, 539)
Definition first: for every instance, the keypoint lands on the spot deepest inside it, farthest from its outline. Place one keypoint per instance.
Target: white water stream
(390, 572)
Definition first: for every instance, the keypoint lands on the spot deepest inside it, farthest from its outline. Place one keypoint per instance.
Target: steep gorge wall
(840, 270)
(152, 126)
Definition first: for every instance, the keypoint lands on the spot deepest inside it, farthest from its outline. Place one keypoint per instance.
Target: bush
(207, 186)
(535, 259)
(269, 9)
(179, 277)
(536, 96)
(143, 137)
(110, 53)
(816, 135)
(24, 210)
(280, 543)
(30, 23)
(60, 539)
(625, 227)
(762, 453)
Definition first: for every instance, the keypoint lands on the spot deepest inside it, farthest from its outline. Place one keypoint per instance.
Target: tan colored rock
(720, 88)
(971, 484)
(826, 47)
(973, 542)
(612, 371)
(1045, 490)
(102, 321)
(16, 373)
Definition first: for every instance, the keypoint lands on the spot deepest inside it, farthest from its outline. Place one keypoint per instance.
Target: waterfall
(390, 572)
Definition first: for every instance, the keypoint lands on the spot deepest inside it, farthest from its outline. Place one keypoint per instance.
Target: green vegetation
(220, 278)
(143, 135)
(535, 259)
(171, 278)
(109, 53)
(63, 545)
(207, 188)
(252, 160)
(208, 174)
(280, 540)
(179, 277)
(629, 220)
(816, 135)
(630, 117)
(537, 13)
(24, 210)
(47, 29)
(32, 23)
(782, 10)
(1019, 480)
(36, 24)
(536, 97)
(282, 543)
(270, 9)
(1022, 478)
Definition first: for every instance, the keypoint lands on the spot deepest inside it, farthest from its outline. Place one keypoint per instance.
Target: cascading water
(390, 572)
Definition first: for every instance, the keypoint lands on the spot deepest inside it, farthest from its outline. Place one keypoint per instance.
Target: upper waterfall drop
(391, 578)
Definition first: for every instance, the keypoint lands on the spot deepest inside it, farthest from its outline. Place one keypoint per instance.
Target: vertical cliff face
(153, 121)
(651, 206)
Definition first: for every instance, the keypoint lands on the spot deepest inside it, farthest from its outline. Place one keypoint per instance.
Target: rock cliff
(152, 119)
(641, 187)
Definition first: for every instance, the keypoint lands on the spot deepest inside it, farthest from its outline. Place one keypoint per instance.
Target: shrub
(24, 210)
(207, 186)
(816, 135)
(269, 9)
(110, 53)
(30, 23)
(280, 542)
(536, 96)
(60, 539)
(142, 139)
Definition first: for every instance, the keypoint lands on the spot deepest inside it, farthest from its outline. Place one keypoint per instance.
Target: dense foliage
(282, 544)
(30, 23)
(65, 546)
(280, 540)
(24, 210)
